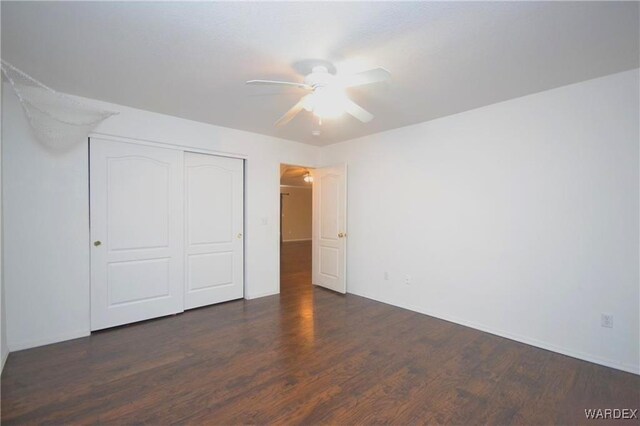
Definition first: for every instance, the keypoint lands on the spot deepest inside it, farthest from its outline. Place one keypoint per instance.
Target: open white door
(136, 232)
(213, 229)
(330, 227)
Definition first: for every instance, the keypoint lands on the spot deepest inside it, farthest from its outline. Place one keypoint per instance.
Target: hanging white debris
(58, 120)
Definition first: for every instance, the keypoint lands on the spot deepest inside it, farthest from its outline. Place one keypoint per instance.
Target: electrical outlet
(386, 276)
(606, 320)
(407, 279)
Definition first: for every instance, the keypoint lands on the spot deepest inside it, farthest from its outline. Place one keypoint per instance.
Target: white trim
(296, 240)
(26, 344)
(244, 228)
(630, 368)
(259, 295)
(187, 148)
(297, 186)
(298, 165)
(277, 242)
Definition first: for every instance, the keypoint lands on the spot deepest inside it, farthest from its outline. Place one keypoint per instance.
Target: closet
(166, 231)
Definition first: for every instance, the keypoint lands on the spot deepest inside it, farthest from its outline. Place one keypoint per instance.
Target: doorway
(296, 187)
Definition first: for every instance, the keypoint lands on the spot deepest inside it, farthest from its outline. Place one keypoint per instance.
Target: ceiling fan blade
(357, 111)
(288, 116)
(374, 75)
(280, 83)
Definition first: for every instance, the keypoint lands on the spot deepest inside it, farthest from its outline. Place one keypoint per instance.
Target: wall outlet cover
(606, 320)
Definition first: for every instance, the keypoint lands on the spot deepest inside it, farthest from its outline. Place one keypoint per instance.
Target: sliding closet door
(136, 231)
(213, 229)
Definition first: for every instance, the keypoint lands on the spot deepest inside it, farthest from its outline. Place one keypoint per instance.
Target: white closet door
(213, 229)
(137, 232)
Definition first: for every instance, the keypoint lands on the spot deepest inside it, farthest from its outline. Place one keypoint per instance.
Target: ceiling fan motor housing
(319, 77)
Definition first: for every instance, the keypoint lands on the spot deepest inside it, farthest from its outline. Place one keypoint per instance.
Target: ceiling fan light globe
(329, 102)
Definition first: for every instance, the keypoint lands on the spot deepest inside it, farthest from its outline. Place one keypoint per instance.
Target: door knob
(239, 235)
(97, 243)
(340, 235)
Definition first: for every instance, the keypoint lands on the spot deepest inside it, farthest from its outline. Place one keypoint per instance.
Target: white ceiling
(191, 59)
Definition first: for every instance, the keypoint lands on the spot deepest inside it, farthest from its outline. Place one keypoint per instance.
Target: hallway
(295, 267)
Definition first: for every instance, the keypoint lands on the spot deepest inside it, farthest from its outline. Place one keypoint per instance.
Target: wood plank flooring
(306, 356)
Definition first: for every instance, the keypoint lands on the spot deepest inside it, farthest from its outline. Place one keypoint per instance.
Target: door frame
(280, 220)
(159, 144)
(183, 148)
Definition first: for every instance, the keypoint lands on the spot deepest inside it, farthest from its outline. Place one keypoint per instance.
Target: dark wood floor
(306, 356)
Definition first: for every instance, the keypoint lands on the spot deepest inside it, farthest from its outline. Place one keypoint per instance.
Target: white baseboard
(295, 241)
(3, 360)
(630, 368)
(259, 295)
(26, 344)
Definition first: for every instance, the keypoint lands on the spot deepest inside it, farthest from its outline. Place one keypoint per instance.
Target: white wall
(519, 218)
(47, 215)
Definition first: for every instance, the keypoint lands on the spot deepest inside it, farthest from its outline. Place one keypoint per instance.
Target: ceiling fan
(328, 98)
